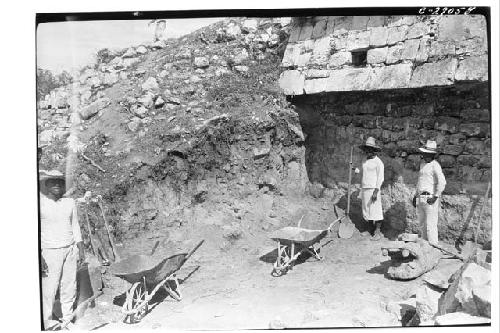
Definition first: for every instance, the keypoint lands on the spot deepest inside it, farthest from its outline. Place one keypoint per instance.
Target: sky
(71, 45)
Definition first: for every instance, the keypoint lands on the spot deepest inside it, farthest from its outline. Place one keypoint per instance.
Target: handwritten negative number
(446, 11)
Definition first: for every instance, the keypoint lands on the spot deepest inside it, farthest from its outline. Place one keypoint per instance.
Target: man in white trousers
(431, 183)
(61, 245)
(372, 178)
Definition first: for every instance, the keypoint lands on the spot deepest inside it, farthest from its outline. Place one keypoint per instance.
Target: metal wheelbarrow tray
(294, 241)
(147, 275)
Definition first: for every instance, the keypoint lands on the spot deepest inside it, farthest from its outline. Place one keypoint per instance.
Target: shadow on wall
(395, 220)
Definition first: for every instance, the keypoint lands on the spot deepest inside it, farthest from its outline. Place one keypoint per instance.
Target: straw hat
(429, 148)
(370, 142)
(52, 174)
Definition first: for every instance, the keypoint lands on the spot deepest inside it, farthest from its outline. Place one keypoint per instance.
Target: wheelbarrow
(293, 242)
(147, 276)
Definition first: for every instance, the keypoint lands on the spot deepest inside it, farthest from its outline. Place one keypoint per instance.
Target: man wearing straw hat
(431, 183)
(372, 178)
(61, 243)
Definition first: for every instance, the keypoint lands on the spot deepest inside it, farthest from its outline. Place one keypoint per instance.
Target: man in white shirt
(372, 178)
(431, 183)
(61, 243)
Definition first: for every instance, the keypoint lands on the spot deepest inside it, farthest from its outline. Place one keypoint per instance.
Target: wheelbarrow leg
(175, 292)
(315, 254)
(282, 261)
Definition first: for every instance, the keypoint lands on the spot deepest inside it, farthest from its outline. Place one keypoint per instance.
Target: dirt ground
(233, 289)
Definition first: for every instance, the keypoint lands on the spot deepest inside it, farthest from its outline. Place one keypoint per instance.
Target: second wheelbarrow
(293, 242)
(147, 276)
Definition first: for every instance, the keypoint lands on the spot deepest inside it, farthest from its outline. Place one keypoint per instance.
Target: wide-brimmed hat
(429, 148)
(370, 143)
(51, 174)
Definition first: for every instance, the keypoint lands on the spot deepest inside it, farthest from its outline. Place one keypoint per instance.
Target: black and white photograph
(274, 168)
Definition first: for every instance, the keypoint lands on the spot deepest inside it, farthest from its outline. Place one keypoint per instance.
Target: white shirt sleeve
(380, 174)
(440, 180)
(77, 234)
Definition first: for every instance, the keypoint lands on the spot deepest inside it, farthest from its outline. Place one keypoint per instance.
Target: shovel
(346, 227)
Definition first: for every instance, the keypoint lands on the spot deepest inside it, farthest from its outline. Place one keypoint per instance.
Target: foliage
(46, 81)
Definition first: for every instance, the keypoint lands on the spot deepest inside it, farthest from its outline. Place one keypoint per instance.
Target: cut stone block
(417, 30)
(315, 86)
(410, 49)
(377, 55)
(340, 58)
(473, 69)
(396, 34)
(378, 36)
(394, 53)
(358, 40)
(439, 73)
(348, 79)
(292, 82)
(390, 77)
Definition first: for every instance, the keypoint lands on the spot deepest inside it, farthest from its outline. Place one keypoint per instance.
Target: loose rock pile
(452, 294)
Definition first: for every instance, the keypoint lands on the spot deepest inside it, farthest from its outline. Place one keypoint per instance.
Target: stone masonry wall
(457, 117)
(401, 52)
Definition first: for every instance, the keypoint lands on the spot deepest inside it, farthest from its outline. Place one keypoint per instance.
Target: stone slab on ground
(482, 298)
(441, 274)
(460, 318)
(427, 302)
(459, 296)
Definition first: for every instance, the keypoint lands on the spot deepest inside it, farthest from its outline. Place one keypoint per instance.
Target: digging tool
(481, 212)
(455, 255)
(110, 235)
(346, 228)
(92, 244)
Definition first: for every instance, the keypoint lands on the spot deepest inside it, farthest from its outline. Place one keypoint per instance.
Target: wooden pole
(448, 252)
(193, 250)
(92, 162)
(349, 184)
(111, 238)
(92, 244)
(481, 212)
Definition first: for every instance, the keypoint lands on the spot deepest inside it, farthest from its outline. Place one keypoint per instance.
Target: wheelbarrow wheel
(135, 297)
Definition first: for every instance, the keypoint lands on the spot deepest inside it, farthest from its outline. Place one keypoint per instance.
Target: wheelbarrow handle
(337, 220)
(193, 250)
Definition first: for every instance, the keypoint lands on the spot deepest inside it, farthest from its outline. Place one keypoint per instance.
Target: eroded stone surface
(420, 258)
